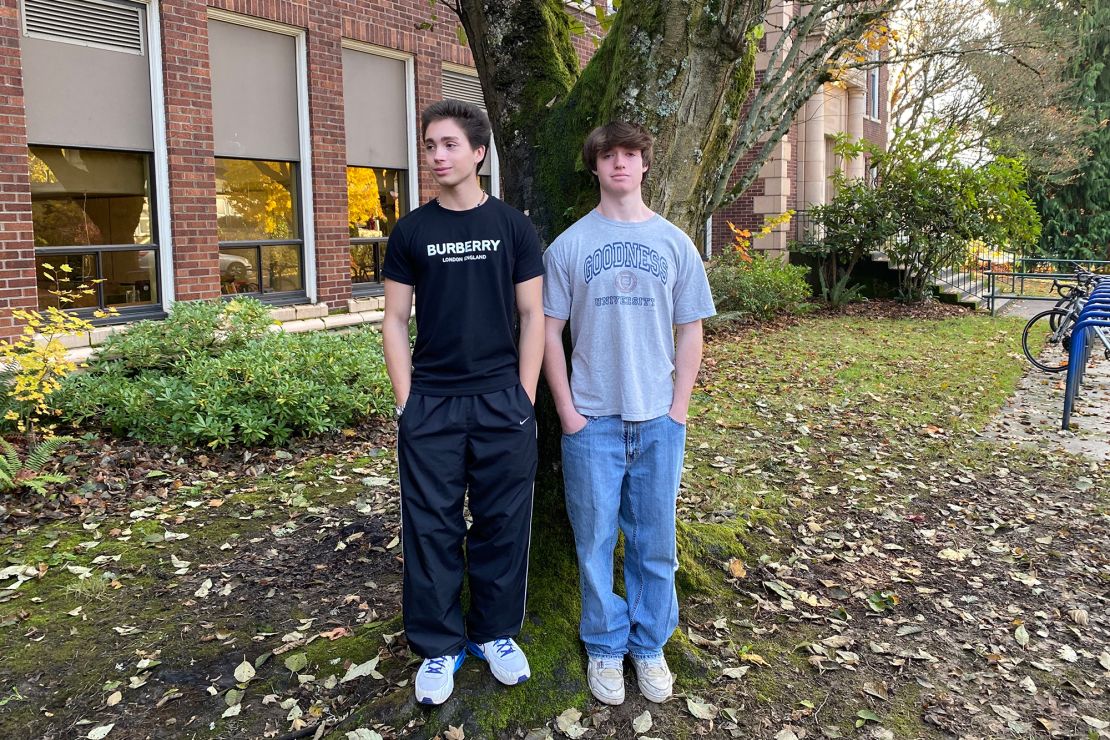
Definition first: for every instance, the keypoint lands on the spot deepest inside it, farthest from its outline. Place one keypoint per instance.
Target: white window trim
(410, 109)
(162, 203)
(304, 135)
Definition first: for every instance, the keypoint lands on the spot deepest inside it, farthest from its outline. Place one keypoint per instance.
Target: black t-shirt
(464, 266)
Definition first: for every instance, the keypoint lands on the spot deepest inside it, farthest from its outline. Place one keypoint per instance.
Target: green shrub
(761, 288)
(193, 329)
(249, 386)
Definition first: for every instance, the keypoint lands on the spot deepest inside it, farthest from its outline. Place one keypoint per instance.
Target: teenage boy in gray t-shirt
(631, 284)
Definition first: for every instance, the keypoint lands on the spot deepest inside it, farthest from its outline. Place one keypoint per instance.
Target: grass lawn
(862, 427)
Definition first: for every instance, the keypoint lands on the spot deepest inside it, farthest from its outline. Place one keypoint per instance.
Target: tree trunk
(683, 70)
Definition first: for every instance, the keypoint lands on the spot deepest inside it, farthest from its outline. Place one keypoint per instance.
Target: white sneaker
(654, 678)
(436, 678)
(606, 679)
(506, 660)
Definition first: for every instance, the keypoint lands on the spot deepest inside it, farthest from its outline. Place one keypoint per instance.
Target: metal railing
(1033, 282)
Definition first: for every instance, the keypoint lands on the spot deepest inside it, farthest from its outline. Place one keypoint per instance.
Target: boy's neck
(629, 207)
(462, 197)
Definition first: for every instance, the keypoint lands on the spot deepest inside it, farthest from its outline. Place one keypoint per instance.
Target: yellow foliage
(261, 193)
(742, 238)
(38, 358)
(363, 199)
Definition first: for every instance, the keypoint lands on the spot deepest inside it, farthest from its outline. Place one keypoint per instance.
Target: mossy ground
(786, 425)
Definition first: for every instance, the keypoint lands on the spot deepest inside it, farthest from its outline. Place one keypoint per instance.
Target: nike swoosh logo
(524, 420)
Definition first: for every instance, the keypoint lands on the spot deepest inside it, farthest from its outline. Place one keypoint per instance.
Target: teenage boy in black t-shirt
(466, 423)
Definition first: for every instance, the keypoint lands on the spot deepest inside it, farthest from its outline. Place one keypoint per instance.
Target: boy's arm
(395, 338)
(529, 304)
(555, 370)
(687, 360)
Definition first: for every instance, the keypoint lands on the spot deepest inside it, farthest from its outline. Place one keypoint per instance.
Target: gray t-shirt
(624, 286)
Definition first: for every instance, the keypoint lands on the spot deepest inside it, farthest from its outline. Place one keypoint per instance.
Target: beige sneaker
(606, 679)
(654, 678)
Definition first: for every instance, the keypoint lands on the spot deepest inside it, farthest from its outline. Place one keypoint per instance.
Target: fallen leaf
(204, 589)
(363, 734)
(362, 669)
(233, 697)
(99, 733)
(245, 672)
(454, 733)
(1104, 660)
(296, 662)
(232, 711)
(567, 722)
(866, 715)
(736, 568)
(1021, 635)
(114, 699)
(1066, 653)
(754, 658)
(1027, 684)
(701, 710)
(1098, 724)
(642, 723)
(877, 690)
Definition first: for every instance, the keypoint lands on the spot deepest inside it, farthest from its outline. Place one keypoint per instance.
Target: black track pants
(448, 446)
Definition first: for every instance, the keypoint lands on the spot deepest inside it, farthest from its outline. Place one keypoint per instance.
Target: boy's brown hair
(470, 118)
(613, 134)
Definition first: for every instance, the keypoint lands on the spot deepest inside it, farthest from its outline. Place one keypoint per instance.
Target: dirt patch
(887, 309)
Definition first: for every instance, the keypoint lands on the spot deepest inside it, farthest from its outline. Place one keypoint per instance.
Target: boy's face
(620, 171)
(448, 153)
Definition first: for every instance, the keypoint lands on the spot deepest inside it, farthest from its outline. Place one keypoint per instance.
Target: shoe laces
(436, 665)
(610, 664)
(503, 646)
(652, 667)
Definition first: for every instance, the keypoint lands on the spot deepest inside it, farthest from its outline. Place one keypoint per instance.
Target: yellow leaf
(755, 659)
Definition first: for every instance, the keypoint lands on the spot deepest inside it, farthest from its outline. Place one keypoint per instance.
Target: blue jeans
(625, 474)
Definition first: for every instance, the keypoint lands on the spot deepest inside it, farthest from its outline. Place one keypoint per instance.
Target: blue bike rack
(1096, 312)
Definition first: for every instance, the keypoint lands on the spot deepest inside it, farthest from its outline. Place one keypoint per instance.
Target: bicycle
(1052, 329)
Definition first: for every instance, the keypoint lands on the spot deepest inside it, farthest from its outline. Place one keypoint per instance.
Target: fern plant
(28, 473)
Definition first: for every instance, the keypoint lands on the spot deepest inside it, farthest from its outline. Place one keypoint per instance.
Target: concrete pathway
(1032, 417)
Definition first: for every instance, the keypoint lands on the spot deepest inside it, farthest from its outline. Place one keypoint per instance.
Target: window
(91, 210)
(378, 115)
(89, 109)
(376, 199)
(874, 109)
(260, 234)
(256, 129)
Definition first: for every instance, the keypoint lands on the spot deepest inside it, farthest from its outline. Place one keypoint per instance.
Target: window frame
(874, 107)
(309, 290)
(364, 290)
(273, 297)
(159, 179)
(154, 309)
(376, 287)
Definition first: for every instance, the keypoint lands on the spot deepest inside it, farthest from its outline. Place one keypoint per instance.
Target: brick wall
(192, 173)
(17, 254)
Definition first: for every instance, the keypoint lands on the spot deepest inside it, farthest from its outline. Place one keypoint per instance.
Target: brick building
(797, 175)
(187, 149)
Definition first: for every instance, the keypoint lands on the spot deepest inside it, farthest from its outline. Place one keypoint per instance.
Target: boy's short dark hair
(613, 134)
(471, 119)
